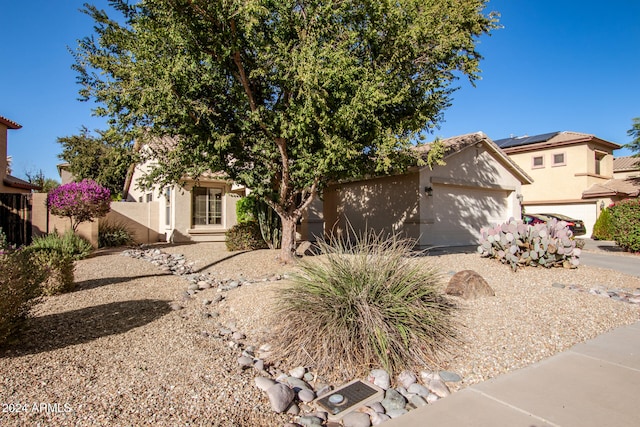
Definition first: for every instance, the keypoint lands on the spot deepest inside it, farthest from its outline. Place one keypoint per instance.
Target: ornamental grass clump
(370, 303)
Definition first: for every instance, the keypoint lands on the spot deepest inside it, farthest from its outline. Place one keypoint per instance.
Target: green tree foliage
(104, 158)
(625, 219)
(634, 133)
(603, 229)
(284, 96)
(45, 184)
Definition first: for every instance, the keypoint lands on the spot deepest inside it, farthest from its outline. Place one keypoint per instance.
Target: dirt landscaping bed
(114, 352)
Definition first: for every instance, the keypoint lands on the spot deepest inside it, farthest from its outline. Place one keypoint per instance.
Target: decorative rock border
(293, 392)
(630, 297)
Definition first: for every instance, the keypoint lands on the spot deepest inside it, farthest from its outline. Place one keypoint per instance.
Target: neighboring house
(8, 183)
(199, 210)
(445, 206)
(567, 170)
(625, 182)
(626, 167)
(15, 195)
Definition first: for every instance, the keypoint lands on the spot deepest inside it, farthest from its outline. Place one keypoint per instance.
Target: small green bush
(4, 243)
(362, 304)
(69, 243)
(59, 267)
(19, 287)
(245, 236)
(625, 218)
(246, 209)
(113, 234)
(515, 243)
(603, 228)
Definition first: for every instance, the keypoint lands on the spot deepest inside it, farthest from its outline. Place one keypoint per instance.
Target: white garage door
(587, 212)
(460, 213)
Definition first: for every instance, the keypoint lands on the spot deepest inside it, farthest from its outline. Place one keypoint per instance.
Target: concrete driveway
(606, 254)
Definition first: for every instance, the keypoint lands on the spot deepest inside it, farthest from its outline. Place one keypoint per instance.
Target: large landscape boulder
(468, 284)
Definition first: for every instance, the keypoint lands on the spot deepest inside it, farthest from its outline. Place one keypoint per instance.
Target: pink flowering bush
(80, 201)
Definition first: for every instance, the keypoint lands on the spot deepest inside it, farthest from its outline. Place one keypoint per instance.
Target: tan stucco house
(199, 210)
(567, 170)
(478, 186)
(8, 183)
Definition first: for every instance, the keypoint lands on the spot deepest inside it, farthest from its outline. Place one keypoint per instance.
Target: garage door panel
(459, 213)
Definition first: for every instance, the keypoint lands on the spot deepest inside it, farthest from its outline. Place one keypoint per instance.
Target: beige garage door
(460, 213)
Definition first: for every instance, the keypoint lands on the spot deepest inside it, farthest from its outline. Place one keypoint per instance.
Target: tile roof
(458, 143)
(626, 163)
(12, 181)
(629, 187)
(9, 123)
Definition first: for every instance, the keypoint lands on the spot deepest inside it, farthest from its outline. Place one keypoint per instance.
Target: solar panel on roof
(524, 140)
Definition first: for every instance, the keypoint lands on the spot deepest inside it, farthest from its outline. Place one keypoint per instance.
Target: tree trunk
(288, 248)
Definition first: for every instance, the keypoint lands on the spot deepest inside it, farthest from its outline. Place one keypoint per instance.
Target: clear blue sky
(556, 65)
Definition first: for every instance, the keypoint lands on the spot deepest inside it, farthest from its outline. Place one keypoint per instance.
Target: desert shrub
(603, 228)
(113, 234)
(59, 268)
(19, 286)
(515, 243)
(69, 244)
(625, 219)
(362, 304)
(246, 209)
(4, 243)
(245, 236)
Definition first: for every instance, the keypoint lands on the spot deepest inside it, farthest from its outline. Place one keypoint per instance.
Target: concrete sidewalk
(596, 383)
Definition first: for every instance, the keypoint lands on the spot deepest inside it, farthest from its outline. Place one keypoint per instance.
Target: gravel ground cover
(113, 352)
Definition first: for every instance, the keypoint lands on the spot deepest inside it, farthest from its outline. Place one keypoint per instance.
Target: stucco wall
(43, 223)
(563, 183)
(389, 204)
(141, 219)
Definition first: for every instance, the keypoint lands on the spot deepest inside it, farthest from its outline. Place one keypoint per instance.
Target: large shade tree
(282, 95)
(104, 157)
(634, 133)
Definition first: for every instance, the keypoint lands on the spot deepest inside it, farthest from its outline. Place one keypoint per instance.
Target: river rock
(356, 419)
(296, 383)
(263, 383)
(297, 372)
(380, 377)
(406, 378)
(310, 421)
(418, 389)
(439, 388)
(280, 397)
(393, 400)
(377, 418)
(306, 395)
(450, 377)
